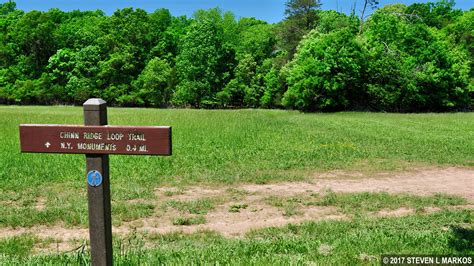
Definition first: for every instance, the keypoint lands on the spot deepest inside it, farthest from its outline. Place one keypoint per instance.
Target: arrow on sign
(47, 144)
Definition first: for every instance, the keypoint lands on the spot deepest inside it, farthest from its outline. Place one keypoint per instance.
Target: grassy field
(356, 242)
(227, 148)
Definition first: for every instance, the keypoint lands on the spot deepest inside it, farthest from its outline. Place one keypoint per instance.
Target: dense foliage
(400, 58)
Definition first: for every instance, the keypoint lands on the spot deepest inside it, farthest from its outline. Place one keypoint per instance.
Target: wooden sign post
(97, 141)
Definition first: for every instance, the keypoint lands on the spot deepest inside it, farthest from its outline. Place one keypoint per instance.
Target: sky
(269, 10)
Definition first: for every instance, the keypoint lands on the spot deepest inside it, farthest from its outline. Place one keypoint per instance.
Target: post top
(95, 104)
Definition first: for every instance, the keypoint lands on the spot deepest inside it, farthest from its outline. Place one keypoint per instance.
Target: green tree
(426, 73)
(301, 17)
(330, 20)
(204, 64)
(240, 90)
(152, 88)
(255, 38)
(73, 74)
(461, 34)
(367, 3)
(167, 43)
(303, 10)
(33, 36)
(434, 14)
(326, 72)
(80, 29)
(116, 74)
(7, 7)
(415, 58)
(273, 87)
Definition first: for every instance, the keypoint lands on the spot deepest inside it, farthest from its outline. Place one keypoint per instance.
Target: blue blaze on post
(94, 178)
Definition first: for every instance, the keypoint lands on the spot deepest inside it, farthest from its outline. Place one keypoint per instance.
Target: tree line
(399, 59)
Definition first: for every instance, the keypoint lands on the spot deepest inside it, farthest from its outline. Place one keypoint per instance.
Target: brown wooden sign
(95, 139)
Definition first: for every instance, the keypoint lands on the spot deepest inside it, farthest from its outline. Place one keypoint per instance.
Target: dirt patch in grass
(453, 181)
(189, 194)
(426, 210)
(40, 203)
(259, 215)
(290, 205)
(57, 246)
(59, 232)
(396, 213)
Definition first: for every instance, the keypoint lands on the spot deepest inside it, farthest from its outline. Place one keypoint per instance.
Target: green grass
(170, 193)
(362, 203)
(188, 220)
(199, 206)
(18, 246)
(237, 194)
(220, 147)
(237, 207)
(289, 206)
(372, 202)
(359, 241)
(242, 146)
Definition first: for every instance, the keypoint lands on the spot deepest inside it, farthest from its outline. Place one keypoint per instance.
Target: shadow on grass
(462, 239)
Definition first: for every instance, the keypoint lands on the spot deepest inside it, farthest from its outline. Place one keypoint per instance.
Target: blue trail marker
(94, 178)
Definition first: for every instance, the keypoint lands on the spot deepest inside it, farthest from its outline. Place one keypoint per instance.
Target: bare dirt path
(260, 214)
(453, 181)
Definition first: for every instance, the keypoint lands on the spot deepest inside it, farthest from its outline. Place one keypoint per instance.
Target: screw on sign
(97, 140)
